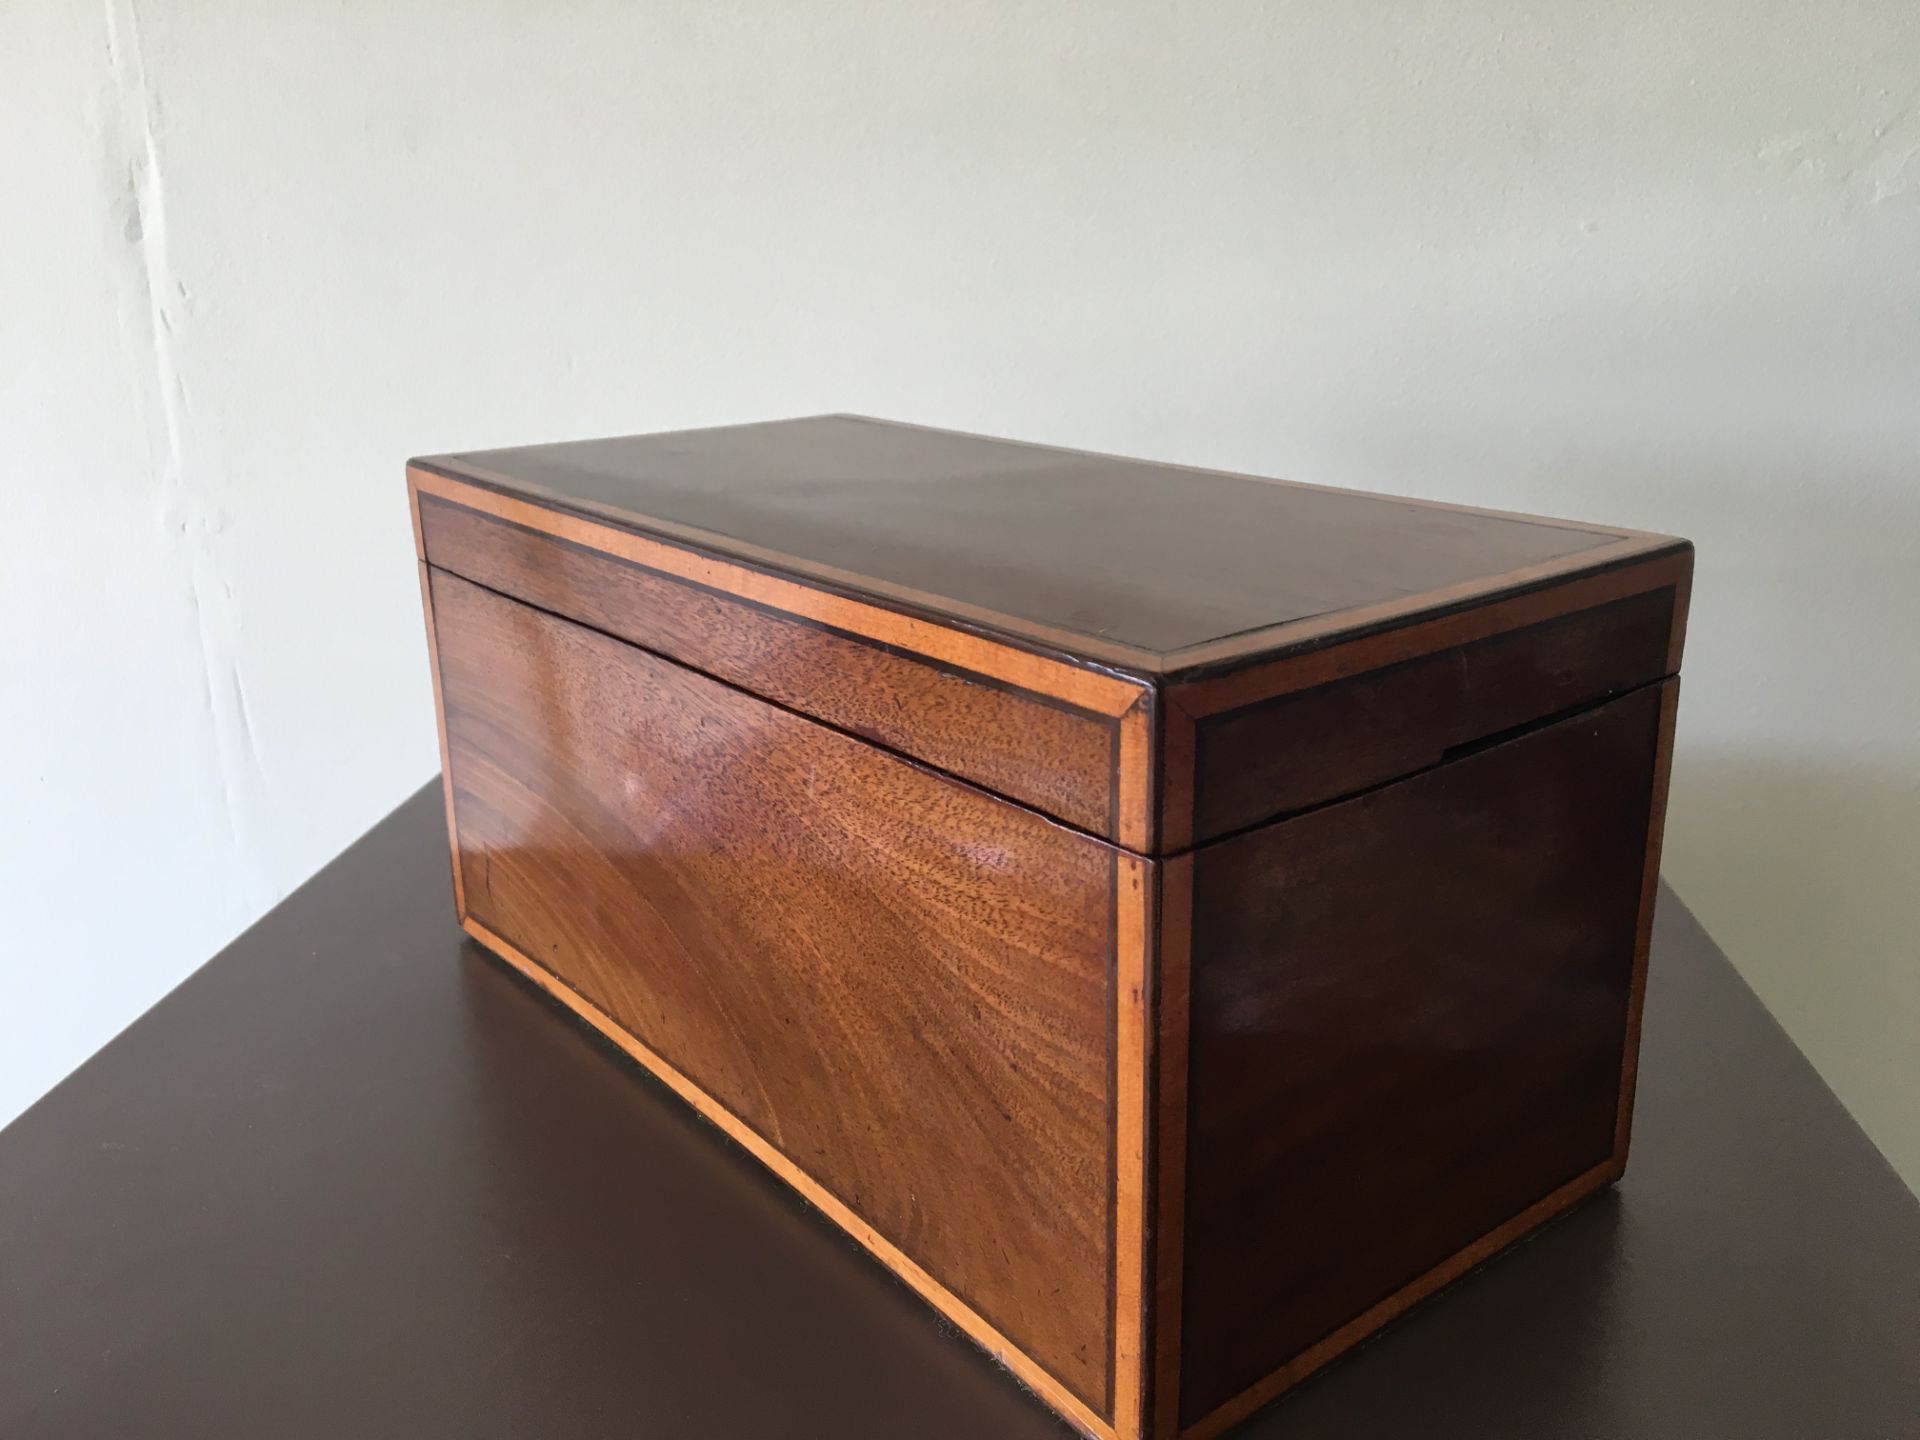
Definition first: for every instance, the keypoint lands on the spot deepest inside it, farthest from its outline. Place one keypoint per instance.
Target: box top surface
(1148, 566)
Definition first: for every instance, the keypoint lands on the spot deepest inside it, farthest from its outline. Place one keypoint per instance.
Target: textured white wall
(1658, 265)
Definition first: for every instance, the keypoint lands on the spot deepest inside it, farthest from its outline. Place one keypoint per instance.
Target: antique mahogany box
(1176, 921)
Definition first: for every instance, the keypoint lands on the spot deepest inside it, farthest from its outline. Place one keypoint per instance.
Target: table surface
(356, 1179)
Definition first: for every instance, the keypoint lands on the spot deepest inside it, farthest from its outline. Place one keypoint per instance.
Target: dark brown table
(353, 1179)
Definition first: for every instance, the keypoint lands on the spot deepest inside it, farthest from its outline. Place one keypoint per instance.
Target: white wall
(1653, 265)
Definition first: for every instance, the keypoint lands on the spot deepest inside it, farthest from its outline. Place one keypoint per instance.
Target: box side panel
(1409, 1015)
(1049, 735)
(903, 986)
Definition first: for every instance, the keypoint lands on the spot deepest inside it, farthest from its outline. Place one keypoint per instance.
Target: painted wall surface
(1655, 265)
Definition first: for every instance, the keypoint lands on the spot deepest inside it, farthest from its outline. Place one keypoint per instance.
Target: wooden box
(1175, 921)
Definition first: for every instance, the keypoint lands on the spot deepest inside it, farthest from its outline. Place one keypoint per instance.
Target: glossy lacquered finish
(1408, 1013)
(1047, 752)
(1061, 736)
(784, 916)
(1169, 1018)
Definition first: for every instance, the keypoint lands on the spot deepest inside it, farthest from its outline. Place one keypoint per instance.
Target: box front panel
(1408, 1015)
(902, 984)
(1056, 754)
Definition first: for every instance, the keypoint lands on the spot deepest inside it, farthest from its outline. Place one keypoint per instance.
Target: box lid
(1149, 567)
(1164, 576)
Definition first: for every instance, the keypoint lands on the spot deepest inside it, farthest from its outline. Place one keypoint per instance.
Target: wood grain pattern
(1040, 751)
(1408, 1015)
(973, 1324)
(902, 984)
(1090, 687)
